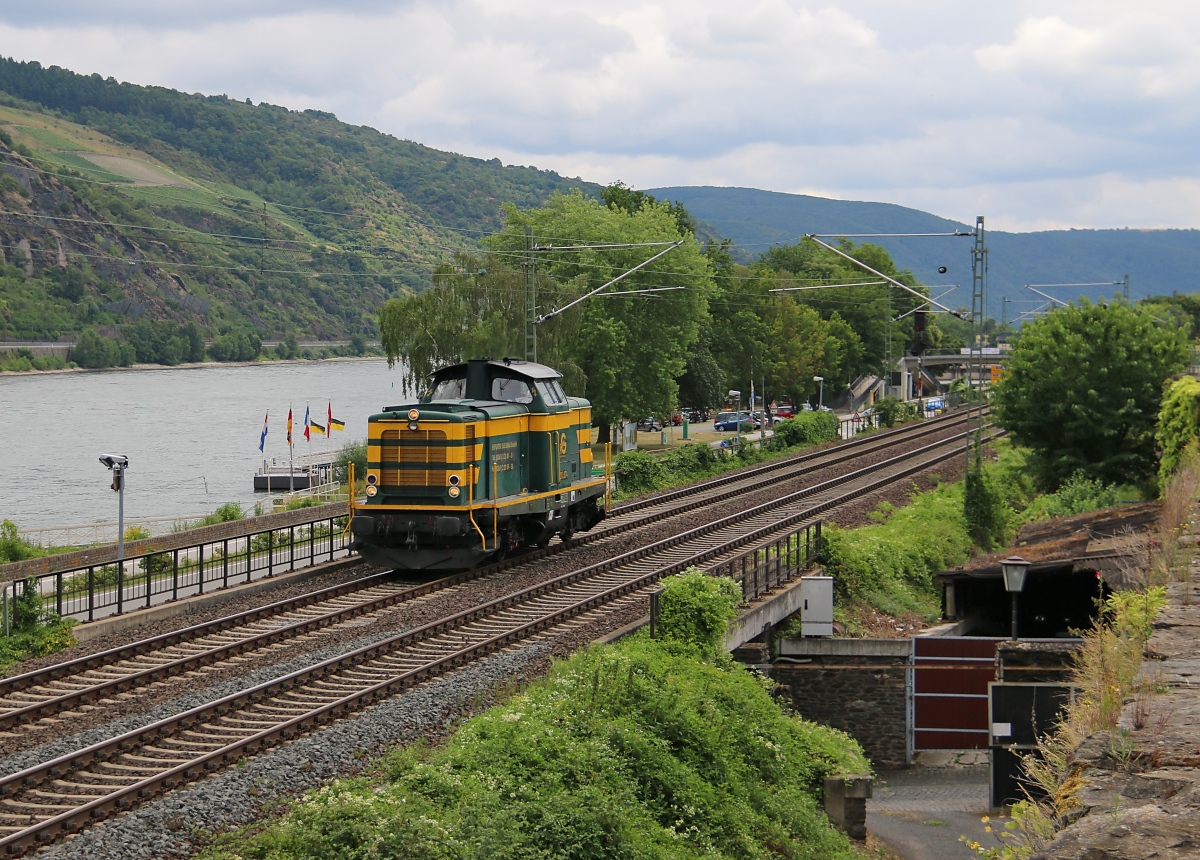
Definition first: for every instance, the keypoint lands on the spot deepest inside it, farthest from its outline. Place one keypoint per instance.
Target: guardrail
(855, 424)
(775, 564)
(92, 583)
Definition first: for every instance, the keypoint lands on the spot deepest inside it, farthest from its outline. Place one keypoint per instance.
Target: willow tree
(629, 346)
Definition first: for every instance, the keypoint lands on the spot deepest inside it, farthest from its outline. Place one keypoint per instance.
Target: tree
(622, 351)
(1083, 391)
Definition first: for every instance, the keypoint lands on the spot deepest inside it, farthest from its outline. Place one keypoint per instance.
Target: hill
(224, 213)
(1159, 262)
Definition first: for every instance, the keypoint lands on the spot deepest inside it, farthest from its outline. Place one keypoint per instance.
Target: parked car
(698, 415)
(676, 418)
(726, 421)
(784, 412)
(651, 424)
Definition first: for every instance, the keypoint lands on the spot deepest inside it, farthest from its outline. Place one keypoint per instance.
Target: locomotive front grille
(412, 458)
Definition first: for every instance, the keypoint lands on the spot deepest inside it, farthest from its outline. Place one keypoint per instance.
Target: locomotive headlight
(414, 414)
(372, 490)
(372, 479)
(454, 480)
(412, 425)
(454, 492)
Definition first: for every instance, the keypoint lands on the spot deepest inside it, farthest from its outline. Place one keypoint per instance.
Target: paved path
(920, 813)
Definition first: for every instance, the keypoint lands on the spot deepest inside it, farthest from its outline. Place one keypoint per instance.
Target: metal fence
(772, 565)
(140, 581)
(848, 428)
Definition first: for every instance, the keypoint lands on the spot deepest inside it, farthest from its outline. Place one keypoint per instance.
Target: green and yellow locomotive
(496, 458)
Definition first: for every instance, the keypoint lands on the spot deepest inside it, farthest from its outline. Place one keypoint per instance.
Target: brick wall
(856, 685)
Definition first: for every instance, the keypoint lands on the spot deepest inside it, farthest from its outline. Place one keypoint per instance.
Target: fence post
(175, 575)
(312, 546)
(58, 594)
(291, 547)
(201, 575)
(271, 553)
(225, 563)
(149, 581)
(91, 593)
(120, 586)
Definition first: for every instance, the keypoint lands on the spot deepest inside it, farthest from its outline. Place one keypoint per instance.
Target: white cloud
(1045, 112)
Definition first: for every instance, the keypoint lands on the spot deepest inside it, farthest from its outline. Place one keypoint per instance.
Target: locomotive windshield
(551, 392)
(449, 389)
(511, 390)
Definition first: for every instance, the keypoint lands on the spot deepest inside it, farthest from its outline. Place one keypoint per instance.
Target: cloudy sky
(1048, 114)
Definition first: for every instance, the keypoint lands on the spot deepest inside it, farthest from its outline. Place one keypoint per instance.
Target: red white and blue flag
(262, 442)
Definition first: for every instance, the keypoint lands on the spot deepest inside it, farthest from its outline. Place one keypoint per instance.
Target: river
(191, 434)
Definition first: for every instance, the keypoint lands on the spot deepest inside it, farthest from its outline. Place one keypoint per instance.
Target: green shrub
(893, 411)
(637, 750)
(638, 472)
(1078, 495)
(1178, 423)
(351, 452)
(12, 548)
(808, 428)
(696, 608)
(226, 513)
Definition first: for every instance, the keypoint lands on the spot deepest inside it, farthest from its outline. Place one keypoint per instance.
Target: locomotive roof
(513, 366)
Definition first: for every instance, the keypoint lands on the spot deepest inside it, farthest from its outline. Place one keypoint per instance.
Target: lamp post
(1014, 570)
(735, 393)
(118, 463)
(821, 400)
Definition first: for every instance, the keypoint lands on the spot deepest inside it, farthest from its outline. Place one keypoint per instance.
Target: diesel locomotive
(496, 457)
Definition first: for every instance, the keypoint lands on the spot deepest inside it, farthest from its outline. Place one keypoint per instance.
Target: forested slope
(281, 220)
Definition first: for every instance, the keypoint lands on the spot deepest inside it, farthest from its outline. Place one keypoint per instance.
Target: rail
(92, 583)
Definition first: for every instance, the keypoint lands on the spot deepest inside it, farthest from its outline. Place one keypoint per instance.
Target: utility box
(816, 606)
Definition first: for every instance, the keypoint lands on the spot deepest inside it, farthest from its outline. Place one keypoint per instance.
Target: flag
(329, 420)
(334, 424)
(307, 424)
(289, 433)
(317, 428)
(262, 442)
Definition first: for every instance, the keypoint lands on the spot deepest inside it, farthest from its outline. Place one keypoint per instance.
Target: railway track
(60, 797)
(28, 698)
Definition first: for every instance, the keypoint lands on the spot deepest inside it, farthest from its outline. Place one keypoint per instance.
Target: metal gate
(948, 693)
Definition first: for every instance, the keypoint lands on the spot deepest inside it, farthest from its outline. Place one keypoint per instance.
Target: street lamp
(733, 392)
(1014, 570)
(821, 401)
(118, 463)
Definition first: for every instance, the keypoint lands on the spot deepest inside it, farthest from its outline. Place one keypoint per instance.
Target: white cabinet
(816, 606)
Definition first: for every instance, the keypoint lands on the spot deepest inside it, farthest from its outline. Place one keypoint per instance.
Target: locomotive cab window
(551, 393)
(511, 390)
(449, 389)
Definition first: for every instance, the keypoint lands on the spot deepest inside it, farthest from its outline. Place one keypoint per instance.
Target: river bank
(191, 365)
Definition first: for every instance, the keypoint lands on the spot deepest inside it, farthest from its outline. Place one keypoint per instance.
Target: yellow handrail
(470, 504)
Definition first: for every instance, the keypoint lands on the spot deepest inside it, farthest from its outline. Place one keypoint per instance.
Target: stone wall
(856, 685)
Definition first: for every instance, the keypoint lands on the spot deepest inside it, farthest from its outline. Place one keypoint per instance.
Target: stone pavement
(920, 813)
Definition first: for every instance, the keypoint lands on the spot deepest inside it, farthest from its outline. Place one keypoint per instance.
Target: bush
(1178, 424)
(226, 513)
(696, 608)
(1078, 495)
(893, 411)
(638, 472)
(12, 548)
(632, 750)
(351, 452)
(808, 428)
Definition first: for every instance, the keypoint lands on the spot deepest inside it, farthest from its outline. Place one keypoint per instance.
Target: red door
(950, 691)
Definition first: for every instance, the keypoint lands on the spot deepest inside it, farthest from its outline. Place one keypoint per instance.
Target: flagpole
(291, 454)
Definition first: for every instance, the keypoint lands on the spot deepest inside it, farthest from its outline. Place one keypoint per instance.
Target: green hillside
(226, 214)
(1159, 262)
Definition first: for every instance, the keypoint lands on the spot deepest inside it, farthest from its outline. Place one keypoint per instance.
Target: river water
(191, 434)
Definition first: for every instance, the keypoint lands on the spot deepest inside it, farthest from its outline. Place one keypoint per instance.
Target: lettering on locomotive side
(504, 455)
